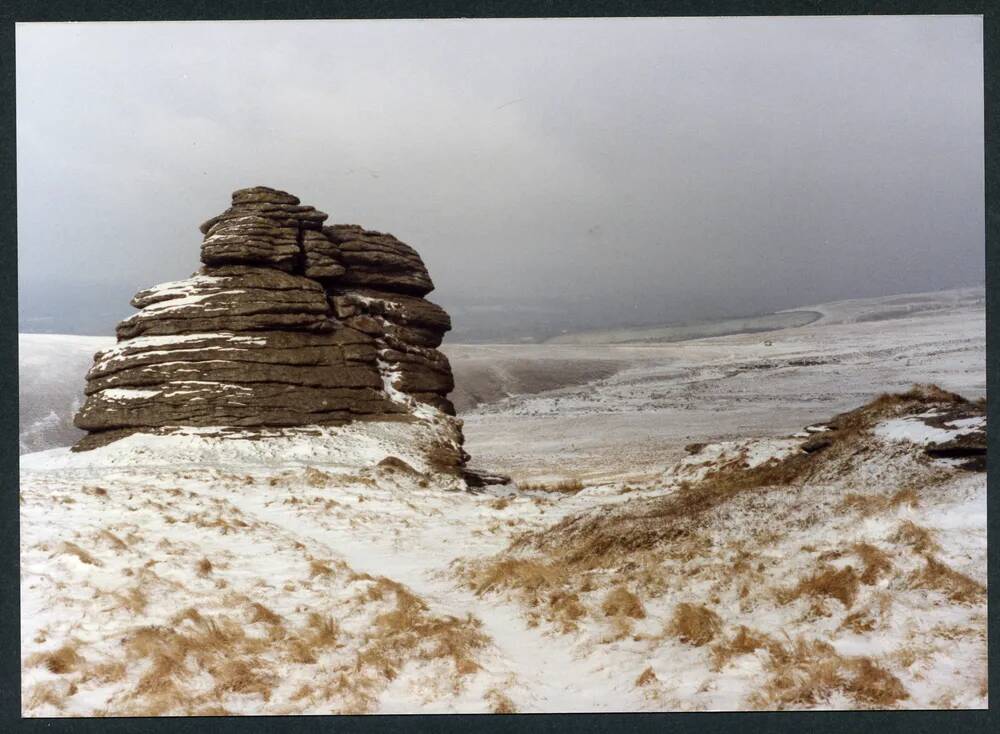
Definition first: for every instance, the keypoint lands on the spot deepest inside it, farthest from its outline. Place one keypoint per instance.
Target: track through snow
(532, 660)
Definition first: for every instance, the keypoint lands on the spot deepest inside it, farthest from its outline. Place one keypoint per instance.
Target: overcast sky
(582, 172)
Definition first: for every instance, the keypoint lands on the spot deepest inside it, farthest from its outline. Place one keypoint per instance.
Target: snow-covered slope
(665, 396)
(188, 574)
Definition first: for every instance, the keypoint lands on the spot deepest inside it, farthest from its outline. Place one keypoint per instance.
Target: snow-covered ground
(310, 573)
(51, 369)
(664, 396)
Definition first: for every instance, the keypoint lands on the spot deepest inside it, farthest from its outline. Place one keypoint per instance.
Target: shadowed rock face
(288, 323)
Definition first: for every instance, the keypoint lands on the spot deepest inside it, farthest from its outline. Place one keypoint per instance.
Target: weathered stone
(233, 298)
(321, 256)
(401, 309)
(365, 324)
(288, 323)
(816, 443)
(420, 370)
(378, 260)
(229, 404)
(270, 347)
(263, 194)
(311, 366)
(251, 240)
(406, 329)
(263, 227)
(477, 478)
(279, 215)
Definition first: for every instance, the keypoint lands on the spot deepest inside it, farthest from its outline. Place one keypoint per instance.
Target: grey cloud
(598, 172)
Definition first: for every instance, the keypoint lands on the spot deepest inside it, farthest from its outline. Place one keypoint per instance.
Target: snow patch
(120, 393)
(916, 431)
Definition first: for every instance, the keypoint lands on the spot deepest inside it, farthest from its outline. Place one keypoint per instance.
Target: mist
(555, 175)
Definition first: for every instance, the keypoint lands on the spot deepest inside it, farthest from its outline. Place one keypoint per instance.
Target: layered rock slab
(230, 298)
(407, 329)
(262, 227)
(378, 260)
(288, 323)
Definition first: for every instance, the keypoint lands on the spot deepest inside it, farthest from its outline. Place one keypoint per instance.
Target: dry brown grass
(620, 602)
(320, 633)
(542, 587)
(938, 576)
(564, 486)
(500, 503)
(395, 464)
(671, 541)
(860, 621)
(356, 691)
(260, 613)
(917, 537)
(64, 659)
(840, 584)
(519, 573)
(646, 677)
(889, 405)
(217, 646)
(499, 702)
(408, 631)
(744, 642)
(316, 478)
(243, 676)
(694, 624)
(872, 504)
(134, 600)
(325, 630)
(190, 614)
(73, 549)
(50, 693)
(204, 567)
(605, 540)
(872, 684)
(564, 608)
(117, 543)
(876, 562)
(319, 568)
(106, 672)
(807, 672)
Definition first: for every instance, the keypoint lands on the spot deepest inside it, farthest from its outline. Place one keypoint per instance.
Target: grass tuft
(840, 584)
(499, 702)
(694, 624)
(620, 602)
(63, 660)
(938, 576)
(83, 556)
(646, 677)
(564, 486)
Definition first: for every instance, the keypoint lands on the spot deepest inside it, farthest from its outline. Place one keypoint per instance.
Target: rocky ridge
(287, 323)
